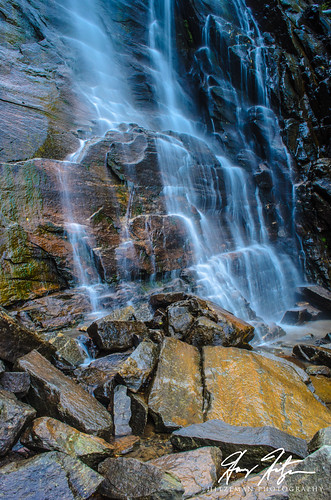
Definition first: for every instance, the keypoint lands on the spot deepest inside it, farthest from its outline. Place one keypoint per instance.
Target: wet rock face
(14, 415)
(60, 475)
(56, 395)
(130, 478)
(176, 397)
(197, 470)
(16, 340)
(49, 434)
(272, 393)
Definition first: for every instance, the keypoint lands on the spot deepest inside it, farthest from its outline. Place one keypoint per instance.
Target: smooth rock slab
(16, 340)
(176, 398)
(258, 441)
(248, 389)
(137, 368)
(130, 478)
(312, 486)
(14, 415)
(49, 434)
(321, 438)
(49, 476)
(197, 470)
(55, 395)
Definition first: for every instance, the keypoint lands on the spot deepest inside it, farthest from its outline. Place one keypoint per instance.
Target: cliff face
(298, 37)
(43, 113)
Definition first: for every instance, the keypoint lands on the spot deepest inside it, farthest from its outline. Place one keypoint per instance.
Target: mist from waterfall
(237, 263)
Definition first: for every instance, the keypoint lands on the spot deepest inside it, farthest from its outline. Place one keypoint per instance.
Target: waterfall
(236, 262)
(244, 250)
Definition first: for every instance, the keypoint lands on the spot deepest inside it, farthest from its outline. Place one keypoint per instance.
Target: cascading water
(243, 254)
(235, 259)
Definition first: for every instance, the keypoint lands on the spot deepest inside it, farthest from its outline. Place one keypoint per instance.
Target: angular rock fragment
(16, 382)
(205, 332)
(166, 299)
(130, 412)
(248, 389)
(68, 350)
(318, 296)
(122, 412)
(101, 375)
(315, 480)
(197, 470)
(126, 444)
(51, 475)
(130, 478)
(111, 335)
(318, 370)
(16, 340)
(14, 415)
(258, 441)
(139, 365)
(313, 354)
(49, 434)
(321, 438)
(2, 367)
(176, 397)
(55, 395)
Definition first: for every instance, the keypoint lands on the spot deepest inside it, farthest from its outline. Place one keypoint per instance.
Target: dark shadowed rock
(115, 335)
(300, 485)
(48, 434)
(136, 369)
(176, 397)
(130, 412)
(49, 475)
(101, 375)
(258, 441)
(55, 395)
(166, 299)
(16, 382)
(197, 470)
(321, 438)
(16, 340)
(296, 316)
(122, 412)
(2, 367)
(313, 354)
(318, 296)
(14, 415)
(130, 478)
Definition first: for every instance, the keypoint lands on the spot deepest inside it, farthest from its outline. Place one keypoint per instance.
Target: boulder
(55, 395)
(296, 316)
(16, 340)
(313, 354)
(49, 434)
(258, 441)
(202, 322)
(101, 375)
(139, 410)
(318, 296)
(176, 398)
(321, 438)
(197, 470)
(14, 415)
(68, 350)
(116, 335)
(136, 369)
(322, 386)
(318, 370)
(164, 300)
(16, 382)
(248, 389)
(315, 482)
(49, 475)
(130, 478)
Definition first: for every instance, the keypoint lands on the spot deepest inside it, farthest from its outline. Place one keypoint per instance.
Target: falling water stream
(237, 263)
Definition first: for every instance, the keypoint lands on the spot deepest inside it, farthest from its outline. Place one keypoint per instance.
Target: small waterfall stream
(244, 261)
